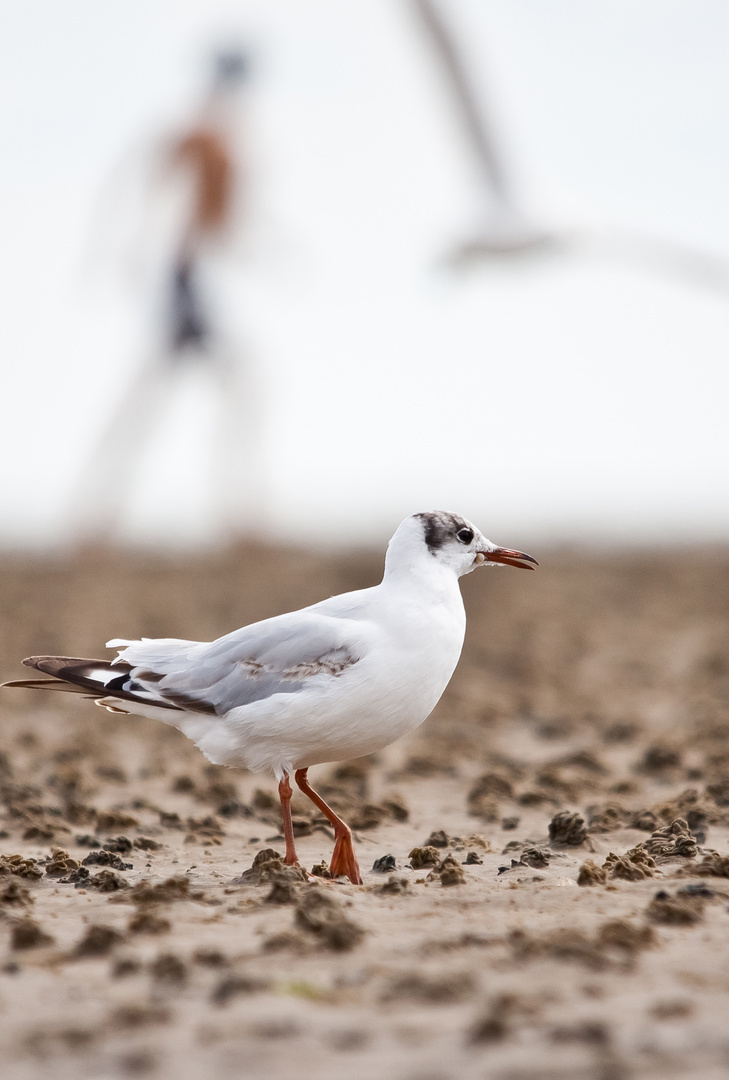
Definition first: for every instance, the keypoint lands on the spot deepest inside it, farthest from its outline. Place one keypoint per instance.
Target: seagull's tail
(100, 680)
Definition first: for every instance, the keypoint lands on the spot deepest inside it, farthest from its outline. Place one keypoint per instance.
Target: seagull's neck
(427, 578)
(421, 601)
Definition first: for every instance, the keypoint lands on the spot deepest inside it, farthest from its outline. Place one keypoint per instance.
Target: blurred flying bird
(504, 225)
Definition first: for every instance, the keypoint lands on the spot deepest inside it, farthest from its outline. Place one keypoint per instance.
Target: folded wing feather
(278, 656)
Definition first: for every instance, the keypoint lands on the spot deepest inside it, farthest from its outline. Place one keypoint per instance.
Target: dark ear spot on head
(439, 528)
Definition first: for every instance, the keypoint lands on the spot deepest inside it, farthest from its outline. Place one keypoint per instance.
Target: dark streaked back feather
(94, 678)
(49, 684)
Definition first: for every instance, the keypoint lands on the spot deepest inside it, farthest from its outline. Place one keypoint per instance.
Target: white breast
(388, 693)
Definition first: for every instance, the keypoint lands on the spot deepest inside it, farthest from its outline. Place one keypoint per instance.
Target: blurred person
(204, 154)
(201, 173)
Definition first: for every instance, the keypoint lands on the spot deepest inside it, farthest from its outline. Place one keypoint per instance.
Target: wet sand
(556, 899)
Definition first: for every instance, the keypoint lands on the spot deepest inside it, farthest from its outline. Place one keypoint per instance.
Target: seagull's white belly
(367, 707)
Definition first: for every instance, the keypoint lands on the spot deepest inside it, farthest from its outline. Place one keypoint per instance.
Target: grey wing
(284, 655)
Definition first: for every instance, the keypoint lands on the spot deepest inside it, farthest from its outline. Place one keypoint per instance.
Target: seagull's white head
(452, 541)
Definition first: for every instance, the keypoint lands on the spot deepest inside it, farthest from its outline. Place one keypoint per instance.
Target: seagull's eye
(465, 536)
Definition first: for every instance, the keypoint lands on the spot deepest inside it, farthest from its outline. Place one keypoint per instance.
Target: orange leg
(284, 792)
(344, 861)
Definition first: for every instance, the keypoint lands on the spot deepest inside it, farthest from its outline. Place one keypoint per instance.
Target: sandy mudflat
(598, 686)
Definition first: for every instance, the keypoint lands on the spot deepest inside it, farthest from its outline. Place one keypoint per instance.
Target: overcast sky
(570, 396)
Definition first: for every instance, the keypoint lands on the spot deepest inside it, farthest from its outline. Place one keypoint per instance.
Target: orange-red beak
(509, 557)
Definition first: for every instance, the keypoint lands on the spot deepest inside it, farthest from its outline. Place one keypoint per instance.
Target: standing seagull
(336, 680)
